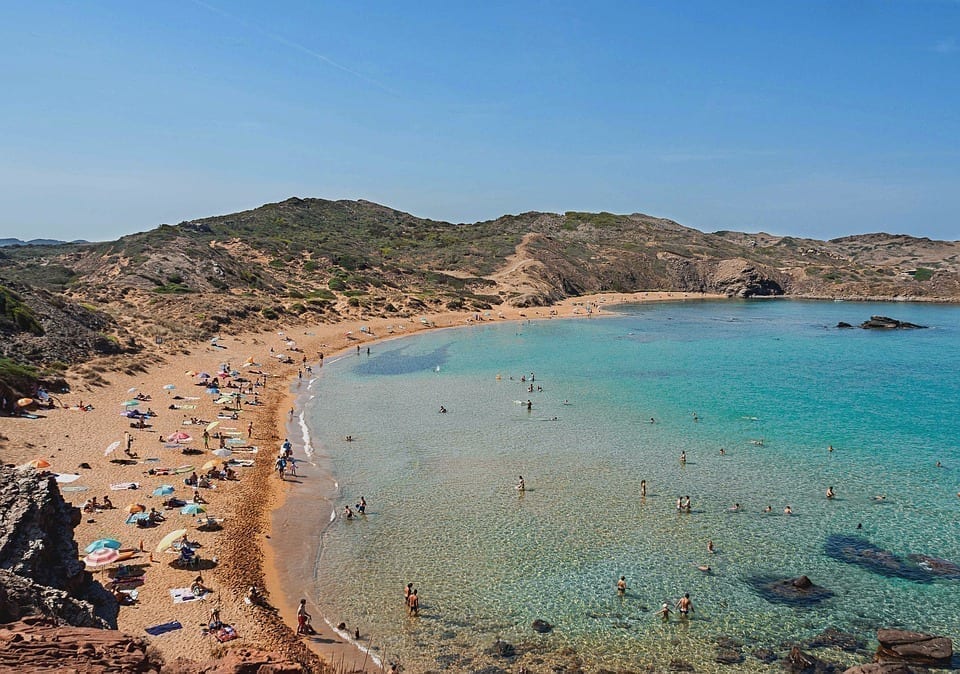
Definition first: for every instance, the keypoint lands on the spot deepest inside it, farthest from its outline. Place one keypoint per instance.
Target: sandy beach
(237, 554)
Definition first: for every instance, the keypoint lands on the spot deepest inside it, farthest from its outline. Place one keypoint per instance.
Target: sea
(768, 401)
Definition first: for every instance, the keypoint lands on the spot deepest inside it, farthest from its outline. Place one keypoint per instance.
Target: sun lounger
(157, 630)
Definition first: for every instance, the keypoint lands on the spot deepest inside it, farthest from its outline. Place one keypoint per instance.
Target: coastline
(70, 439)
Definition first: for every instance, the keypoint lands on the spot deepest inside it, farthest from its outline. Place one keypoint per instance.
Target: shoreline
(77, 442)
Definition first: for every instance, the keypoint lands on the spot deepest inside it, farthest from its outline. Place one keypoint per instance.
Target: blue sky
(807, 118)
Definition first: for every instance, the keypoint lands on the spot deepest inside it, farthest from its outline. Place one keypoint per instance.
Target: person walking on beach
(303, 618)
(249, 430)
(684, 605)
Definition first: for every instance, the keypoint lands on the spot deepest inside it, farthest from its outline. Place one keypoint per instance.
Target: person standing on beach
(206, 439)
(249, 430)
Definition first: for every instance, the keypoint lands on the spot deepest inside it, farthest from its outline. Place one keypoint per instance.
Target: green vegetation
(923, 274)
(14, 313)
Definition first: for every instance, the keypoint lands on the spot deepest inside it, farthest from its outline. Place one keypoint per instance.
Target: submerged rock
(863, 553)
(503, 649)
(541, 626)
(834, 638)
(798, 662)
(765, 655)
(800, 591)
(880, 668)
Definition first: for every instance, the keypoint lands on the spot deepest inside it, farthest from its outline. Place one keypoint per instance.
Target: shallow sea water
(443, 512)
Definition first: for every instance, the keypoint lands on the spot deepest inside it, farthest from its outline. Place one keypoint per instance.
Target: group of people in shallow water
(684, 604)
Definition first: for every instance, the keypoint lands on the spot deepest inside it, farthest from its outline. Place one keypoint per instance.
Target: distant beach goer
(734, 508)
(407, 591)
(521, 485)
(768, 509)
(664, 612)
(413, 603)
(362, 506)
(443, 410)
(788, 510)
(347, 512)
(683, 457)
(830, 448)
(710, 547)
(722, 451)
(643, 488)
(652, 420)
(830, 492)
(622, 585)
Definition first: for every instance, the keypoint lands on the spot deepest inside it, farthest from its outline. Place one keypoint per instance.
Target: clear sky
(806, 118)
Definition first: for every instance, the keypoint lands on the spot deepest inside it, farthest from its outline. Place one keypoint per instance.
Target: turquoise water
(443, 512)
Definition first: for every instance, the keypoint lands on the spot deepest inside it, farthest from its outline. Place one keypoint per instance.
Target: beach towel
(135, 517)
(66, 478)
(125, 485)
(74, 487)
(156, 630)
(225, 633)
(181, 595)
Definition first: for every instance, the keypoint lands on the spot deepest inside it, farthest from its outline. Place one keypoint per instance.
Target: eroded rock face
(38, 644)
(36, 532)
(21, 598)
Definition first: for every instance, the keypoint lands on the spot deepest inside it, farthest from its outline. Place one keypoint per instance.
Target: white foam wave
(346, 636)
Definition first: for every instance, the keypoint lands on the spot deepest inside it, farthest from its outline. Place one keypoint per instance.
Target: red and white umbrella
(101, 557)
(179, 437)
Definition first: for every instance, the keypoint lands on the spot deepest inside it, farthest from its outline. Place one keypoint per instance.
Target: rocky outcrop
(21, 598)
(40, 645)
(36, 533)
(884, 323)
(742, 278)
(914, 647)
(798, 662)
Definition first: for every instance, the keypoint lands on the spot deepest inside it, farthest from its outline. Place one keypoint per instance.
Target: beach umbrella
(179, 437)
(193, 509)
(24, 402)
(212, 425)
(213, 463)
(103, 543)
(169, 539)
(101, 557)
(136, 508)
(111, 447)
(223, 453)
(169, 387)
(204, 375)
(163, 490)
(39, 464)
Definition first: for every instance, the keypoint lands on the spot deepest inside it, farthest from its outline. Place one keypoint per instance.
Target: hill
(317, 260)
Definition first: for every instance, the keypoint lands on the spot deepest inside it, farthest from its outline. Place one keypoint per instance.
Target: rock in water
(799, 591)
(914, 647)
(541, 626)
(885, 323)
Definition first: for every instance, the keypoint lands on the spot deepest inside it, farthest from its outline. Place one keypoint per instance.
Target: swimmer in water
(521, 486)
(830, 493)
(705, 568)
(768, 509)
(664, 613)
(830, 448)
(622, 586)
(652, 420)
(734, 508)
(643, 489)
(710, 547)
(683, 457)
(788, 510)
